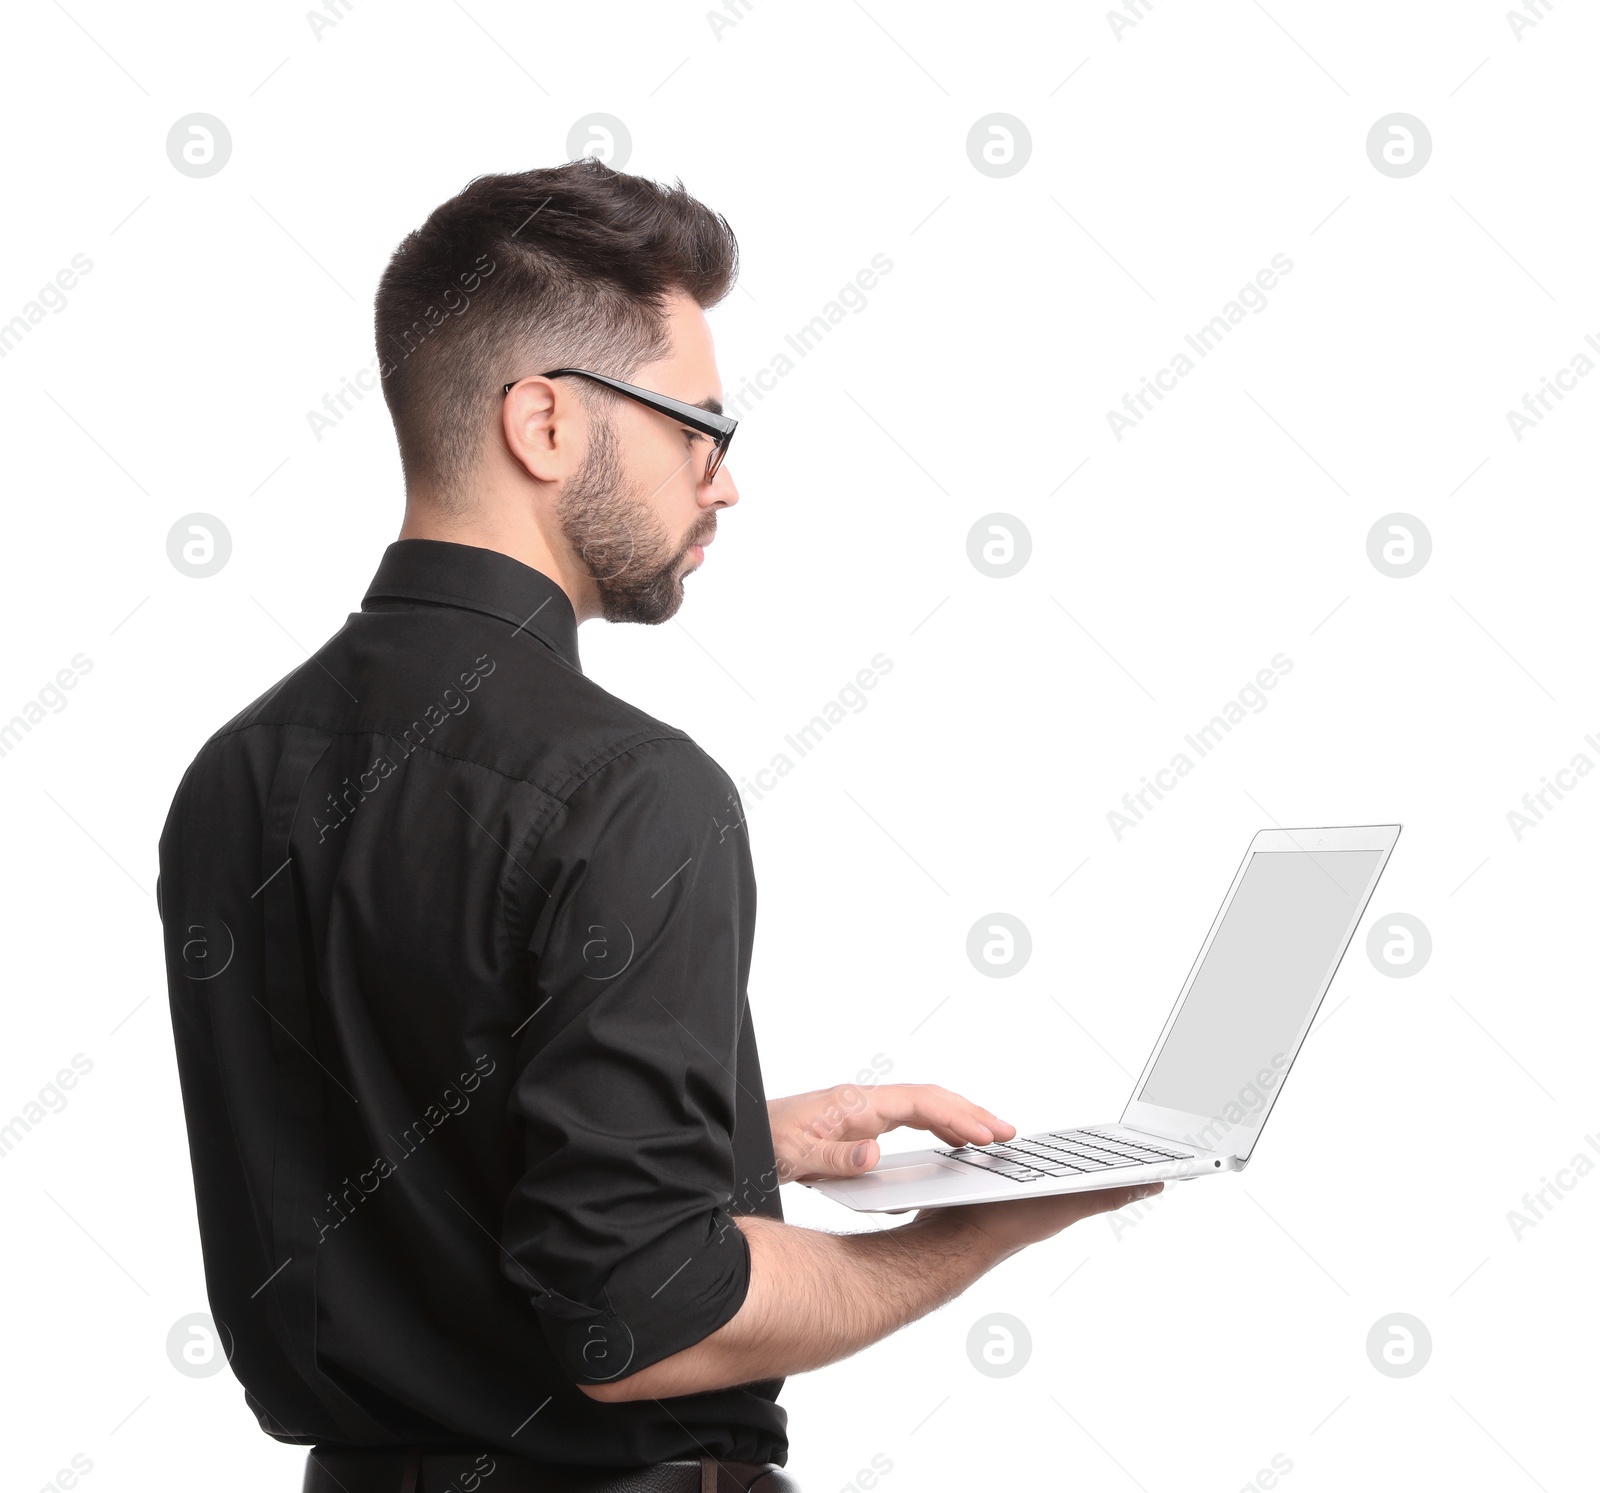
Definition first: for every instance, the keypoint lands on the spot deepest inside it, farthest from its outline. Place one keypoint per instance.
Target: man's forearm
(815, 1298)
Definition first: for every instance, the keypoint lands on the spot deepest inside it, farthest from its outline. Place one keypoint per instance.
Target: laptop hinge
(1170, 1140)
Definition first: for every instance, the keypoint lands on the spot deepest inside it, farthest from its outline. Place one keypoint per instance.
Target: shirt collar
(478, 580)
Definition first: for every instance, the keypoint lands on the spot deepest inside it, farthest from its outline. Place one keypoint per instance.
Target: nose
(721, 491)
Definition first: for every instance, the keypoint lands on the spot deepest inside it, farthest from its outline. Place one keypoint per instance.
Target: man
(457, 941)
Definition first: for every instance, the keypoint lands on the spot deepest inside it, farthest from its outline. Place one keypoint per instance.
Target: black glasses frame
(719, 427)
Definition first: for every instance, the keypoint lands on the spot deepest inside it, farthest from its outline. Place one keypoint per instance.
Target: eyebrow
(710, 406)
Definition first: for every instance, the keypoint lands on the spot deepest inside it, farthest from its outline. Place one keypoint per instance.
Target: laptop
(1204, 1095)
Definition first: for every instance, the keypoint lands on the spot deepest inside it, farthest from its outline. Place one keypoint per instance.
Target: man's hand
(834, 1132)
(1014, 1223)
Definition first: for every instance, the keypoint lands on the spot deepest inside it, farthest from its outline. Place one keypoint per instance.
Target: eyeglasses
(719, 427)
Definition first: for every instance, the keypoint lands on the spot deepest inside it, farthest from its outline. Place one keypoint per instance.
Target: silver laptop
(1227, 1046)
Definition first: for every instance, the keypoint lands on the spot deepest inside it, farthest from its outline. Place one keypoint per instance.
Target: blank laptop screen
(1264, 972)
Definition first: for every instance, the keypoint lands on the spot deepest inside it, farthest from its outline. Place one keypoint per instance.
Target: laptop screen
(1281, 935)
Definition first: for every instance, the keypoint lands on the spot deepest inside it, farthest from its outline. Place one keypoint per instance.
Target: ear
(545, 429)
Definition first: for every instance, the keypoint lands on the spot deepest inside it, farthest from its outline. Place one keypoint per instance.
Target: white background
(1169, 163)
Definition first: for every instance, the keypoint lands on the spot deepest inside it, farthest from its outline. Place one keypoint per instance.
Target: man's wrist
(961, 1231)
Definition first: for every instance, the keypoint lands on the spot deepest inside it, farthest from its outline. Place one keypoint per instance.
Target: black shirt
(457, 945)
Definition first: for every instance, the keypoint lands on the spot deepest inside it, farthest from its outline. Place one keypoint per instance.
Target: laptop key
(1018, 1153)
(1051, 1161)
(1109, 1148)
(1098, 1163)
(1139, 1146)
(989, 1162)
(1099, 1148)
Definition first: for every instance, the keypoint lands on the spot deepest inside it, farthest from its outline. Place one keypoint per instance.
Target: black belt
(498, 1472)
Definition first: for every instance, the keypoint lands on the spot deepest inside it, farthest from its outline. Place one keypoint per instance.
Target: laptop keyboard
(1062, 1153)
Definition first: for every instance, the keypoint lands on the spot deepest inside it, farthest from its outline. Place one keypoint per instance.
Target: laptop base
(1090, 1158)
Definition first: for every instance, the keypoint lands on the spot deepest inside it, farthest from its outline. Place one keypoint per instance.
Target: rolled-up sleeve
(620, 1227)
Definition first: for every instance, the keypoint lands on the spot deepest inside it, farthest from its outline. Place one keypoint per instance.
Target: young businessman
(457, 941)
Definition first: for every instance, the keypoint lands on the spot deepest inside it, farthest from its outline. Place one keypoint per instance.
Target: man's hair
(567, 266)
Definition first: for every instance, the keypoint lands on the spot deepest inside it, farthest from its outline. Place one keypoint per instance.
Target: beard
(620, 540)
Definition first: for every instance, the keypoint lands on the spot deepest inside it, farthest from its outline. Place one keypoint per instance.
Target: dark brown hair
(560, 267)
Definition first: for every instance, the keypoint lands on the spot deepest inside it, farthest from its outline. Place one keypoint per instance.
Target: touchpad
(928, 1173)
